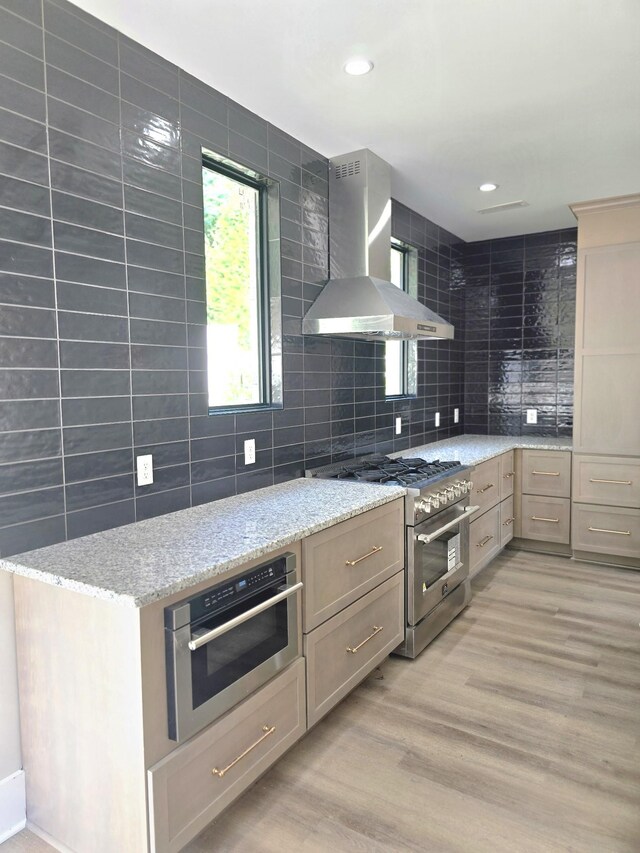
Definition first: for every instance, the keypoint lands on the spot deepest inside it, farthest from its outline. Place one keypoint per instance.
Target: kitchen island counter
(143, 562)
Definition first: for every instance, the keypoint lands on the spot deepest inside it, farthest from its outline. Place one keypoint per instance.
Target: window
(239, 327)
(400, 356)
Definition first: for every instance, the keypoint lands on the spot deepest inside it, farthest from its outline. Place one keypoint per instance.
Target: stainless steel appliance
(437, 515)
(230, 639)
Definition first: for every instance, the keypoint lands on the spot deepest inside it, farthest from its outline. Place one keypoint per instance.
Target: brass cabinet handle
(509, 474)
(614, 482)
(373, 551)
(376, 630)
(539, 518)
(486, 488)
(268, 730)
(547, 473)
(508, 522)
(604, 530)
(484, 542)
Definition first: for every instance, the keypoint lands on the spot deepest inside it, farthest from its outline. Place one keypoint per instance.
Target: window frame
(409, 354)
(268, 282)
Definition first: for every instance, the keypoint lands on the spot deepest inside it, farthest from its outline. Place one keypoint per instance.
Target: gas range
(432, 485)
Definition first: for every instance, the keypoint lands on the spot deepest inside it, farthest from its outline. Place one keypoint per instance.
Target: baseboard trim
(57, 845)
(13, 808)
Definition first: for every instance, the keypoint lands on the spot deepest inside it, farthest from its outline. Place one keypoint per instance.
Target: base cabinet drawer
(606, 530)
(193, 784)
(546, 472)
(484, 539)
(342, 651)
(546, 519)
(507, 520)
(507, 474)
(606, 480)
(486, 484)
(345, 561)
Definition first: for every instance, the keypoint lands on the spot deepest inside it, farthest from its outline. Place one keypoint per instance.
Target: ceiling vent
(509, 205)
(347, 170)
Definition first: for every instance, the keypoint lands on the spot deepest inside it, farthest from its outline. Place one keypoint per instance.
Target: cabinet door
(342, 651)
(606, 480)
(345, 561)
(546, 519)
(610, 298)
(193, 784)
(507, 474)
(608, 403)
(507, 519)
(484, 539)
(546, 472)
(606, 530)
(486, 485)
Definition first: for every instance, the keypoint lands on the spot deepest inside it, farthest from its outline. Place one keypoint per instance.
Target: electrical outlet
(398, 426)
(250, 451)
(144, 465)
(456, 416)
(532, 416)
(437, 419)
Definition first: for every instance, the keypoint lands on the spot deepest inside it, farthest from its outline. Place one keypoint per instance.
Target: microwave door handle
(203, 639)
(429, 537)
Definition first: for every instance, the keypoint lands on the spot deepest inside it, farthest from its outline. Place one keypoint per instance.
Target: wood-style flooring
(517, 730)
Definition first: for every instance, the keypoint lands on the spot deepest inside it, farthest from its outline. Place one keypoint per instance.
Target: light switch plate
(144, 467)
(398, 426)
(250, 451)
(437, 419)
(532, 416)
(456, 416)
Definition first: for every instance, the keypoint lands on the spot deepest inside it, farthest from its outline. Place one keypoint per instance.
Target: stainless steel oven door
(438, 559)
(229, 656)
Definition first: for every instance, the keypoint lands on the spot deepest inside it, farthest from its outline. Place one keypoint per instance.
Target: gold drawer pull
(268, 730)
(539, 518)
(547, 473)
(508, 522)
(604, 530)
(509, 474)
(614, 482)
(376, 630)
(486, 488)
(484, 542)
(373, 551)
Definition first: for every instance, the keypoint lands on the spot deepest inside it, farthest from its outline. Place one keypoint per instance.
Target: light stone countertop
(473, 449)
(140, 563)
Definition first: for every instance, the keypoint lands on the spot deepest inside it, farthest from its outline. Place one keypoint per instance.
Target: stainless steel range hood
(359, 301)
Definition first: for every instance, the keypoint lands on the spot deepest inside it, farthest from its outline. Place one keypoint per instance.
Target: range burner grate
(402, 471)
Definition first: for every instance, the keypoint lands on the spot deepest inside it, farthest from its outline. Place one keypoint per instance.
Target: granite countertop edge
(19, 564)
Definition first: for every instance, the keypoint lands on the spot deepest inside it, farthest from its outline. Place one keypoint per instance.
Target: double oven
(224, 643)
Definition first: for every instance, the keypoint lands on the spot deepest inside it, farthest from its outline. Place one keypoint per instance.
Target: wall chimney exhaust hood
(359, 301)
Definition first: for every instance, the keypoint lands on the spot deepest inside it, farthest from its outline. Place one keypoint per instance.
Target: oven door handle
(429, 537)
(243, 617)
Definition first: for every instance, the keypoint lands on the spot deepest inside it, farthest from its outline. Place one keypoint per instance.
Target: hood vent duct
(359, 301)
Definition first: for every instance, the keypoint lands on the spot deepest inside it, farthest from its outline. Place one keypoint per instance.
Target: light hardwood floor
(517, 730)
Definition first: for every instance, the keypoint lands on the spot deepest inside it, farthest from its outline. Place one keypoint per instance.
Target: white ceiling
(539, 96)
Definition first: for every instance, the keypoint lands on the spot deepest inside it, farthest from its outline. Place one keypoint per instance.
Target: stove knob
(435, 501)
(462, 485)
(443, 497)
(457, 489)
(451, 492)
(469, 486)
(423, 505)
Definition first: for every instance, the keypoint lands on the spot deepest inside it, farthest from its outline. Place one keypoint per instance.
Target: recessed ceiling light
(358, 66)
(487, 188)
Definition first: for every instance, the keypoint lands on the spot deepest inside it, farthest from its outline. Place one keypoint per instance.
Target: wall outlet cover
(398, 426)
(250, 451)
(144, 466)
(456, 416)
(437, 419)
(532, 416)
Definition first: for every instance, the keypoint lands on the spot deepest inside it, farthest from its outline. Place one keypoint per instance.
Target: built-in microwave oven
(227, 641)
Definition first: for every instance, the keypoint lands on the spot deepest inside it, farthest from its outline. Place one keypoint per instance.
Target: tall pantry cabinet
(606, 433)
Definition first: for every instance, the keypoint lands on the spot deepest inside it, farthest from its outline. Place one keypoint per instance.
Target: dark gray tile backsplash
(102, 296)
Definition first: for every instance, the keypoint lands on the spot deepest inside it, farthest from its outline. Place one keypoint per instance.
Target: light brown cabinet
(542, 505)
(546, 519)
(354, 602)
(342, 651)
(607, 380)
(194, 783)
(492, 525)
(546, 472)
(343, 562)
